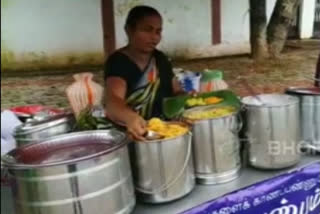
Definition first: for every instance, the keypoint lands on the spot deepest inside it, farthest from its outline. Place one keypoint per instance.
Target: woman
(138, 76)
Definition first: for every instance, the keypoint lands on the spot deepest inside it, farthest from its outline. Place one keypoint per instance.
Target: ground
(295, 67)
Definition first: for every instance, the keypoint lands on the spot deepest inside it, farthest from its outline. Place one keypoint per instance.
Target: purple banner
(296, 192)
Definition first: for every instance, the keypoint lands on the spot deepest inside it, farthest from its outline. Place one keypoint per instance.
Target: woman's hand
(137, 127)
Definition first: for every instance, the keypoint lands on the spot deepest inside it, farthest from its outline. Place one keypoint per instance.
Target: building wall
(270, 6)
(39, 34)
(235, 21)
(234, 31)
(58, 34)
(307, 11)
(186, 24)
(188, 29)
(44, 34)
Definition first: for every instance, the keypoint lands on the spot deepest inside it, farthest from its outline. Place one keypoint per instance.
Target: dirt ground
(295, 67)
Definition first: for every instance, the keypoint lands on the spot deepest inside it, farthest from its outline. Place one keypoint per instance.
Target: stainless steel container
(310, 115)
(38, 130)
(78, 173)
(272, 129)
(216, 148)
(163, 169)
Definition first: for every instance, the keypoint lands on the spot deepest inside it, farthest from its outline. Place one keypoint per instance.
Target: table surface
(204, 193)
(199, 195)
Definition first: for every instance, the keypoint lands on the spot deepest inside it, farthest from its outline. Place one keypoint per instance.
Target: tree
(269, 39)
(258, 29)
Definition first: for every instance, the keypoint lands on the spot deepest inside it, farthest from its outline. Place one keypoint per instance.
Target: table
(198, 196)
(203, 193)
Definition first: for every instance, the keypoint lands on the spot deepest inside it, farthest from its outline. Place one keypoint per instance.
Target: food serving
(166, 129)
(209, 113)
(199, 101)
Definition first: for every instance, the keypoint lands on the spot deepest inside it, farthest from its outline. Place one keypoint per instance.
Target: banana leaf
(174, 107)
(87, 121)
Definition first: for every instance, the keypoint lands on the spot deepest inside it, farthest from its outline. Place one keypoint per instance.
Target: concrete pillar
(307, 12)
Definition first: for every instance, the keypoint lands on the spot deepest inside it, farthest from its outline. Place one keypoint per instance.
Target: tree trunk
(258, 29)
(317, 82)
(281, 19)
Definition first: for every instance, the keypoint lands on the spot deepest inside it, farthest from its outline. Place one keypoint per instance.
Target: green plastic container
(209, 75)
(209, 80)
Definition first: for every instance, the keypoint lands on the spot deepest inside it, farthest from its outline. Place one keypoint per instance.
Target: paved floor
(293, 68)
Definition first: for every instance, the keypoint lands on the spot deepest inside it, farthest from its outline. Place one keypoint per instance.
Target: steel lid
(270, 100)
(65, 149)
(303, 91)
(45, 123)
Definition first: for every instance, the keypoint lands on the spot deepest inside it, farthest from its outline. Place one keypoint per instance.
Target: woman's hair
(138, 13)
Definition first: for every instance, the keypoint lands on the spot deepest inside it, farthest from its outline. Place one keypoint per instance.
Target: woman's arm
(118, 110)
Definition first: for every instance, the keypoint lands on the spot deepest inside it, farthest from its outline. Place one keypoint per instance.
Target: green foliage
(174, 107)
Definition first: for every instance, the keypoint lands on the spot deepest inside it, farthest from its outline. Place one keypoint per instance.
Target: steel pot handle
(308, 146)
(171, 183)
(5, 175)
(239, 125)
(240, 122)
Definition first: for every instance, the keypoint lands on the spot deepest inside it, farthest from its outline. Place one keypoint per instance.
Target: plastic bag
(190, 81)
(9, 122)
(84, 92)
(212, 80)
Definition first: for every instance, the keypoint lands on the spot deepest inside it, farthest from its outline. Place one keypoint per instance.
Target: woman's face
(146, 35)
